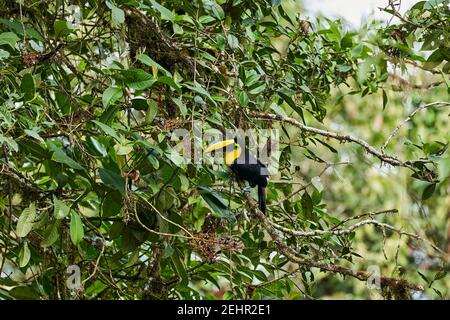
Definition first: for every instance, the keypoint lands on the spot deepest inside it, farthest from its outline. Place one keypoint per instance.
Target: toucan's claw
(246, 189)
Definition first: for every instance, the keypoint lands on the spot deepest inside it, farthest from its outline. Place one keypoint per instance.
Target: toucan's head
(230, 147)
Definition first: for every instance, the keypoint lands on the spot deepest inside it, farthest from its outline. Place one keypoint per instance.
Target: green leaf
(60, 209)
(257, 88)
(408, 51)
(112, 180)
(145, 59)
(233, 42)
(385, 99)
(123, 148)
(169, 81)
(327, 145)
(343, 68)
(9, 38)
(51, 234)
(284, 14)
(10, 142)
(4, 54)
(305, 88)
(428, 191)
(180, 106)
(28, 87)
(138, 79)
(445, 70)
(434, 148)
(154, 162)
(177, 29)
(117, 14)
(76, 228)
(243, 99)
(24, 255)
(199, 89)
(107, 129)
(364, 69)
(205, 19)
(216, 202)
(62, 28)
(61, 157)
(112, 204)
(277, 109)
(34, 34)
(175, 157)
(111, 95)
(215, 9)
(109, 114)
(34, 135)
(433, 4)
(307, 205)
(347, 40)
(199, 100)
(26, 220)
(423, 277)
(419, 5)
(152, 111)
(438, 293)
(139, 104)
(14, 25)
(434, 59)
(166, 14)
(440, 275)
(27, 292)
(180, 269)
(98, 147)
(443, 168)
(96, 288)
(291, 103)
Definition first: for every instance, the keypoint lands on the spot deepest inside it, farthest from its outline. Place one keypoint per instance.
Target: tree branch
(414, 64)
(363, 215)
(393, 283)
(342, 231)
(402, 83)
(332, 135)
(426, 106)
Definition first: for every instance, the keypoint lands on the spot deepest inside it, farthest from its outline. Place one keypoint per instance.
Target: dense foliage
(91, 175)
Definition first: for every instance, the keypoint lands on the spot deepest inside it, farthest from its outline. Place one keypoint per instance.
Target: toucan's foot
(246, 189)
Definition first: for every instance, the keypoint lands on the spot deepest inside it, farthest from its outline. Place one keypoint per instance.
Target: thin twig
(332, 135)
(303, 187)
(342, 231)
(294, 257)
(363, 215)
(402, 83)
(168, 220)
(95, 265)
(425, 106)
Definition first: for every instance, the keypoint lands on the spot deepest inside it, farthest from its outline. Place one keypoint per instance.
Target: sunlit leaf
(26, 220)
(76, 228)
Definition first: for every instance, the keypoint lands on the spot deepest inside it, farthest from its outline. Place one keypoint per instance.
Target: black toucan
(245, 166)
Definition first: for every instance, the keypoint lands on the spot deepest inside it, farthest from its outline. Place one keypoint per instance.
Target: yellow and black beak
(219, 145)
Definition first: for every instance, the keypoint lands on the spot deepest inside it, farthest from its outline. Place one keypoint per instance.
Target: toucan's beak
(219, 145)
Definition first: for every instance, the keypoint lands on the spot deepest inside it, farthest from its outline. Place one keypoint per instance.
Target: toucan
(245, 166)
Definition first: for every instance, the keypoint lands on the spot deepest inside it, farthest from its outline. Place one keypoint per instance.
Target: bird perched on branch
(245, 165)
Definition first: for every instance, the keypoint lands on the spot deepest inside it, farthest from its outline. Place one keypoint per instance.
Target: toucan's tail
(262, 199)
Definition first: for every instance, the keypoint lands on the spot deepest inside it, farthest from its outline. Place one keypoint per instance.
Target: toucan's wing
(247, 167)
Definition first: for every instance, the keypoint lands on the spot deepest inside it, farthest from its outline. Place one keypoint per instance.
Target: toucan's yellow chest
(230, 156)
